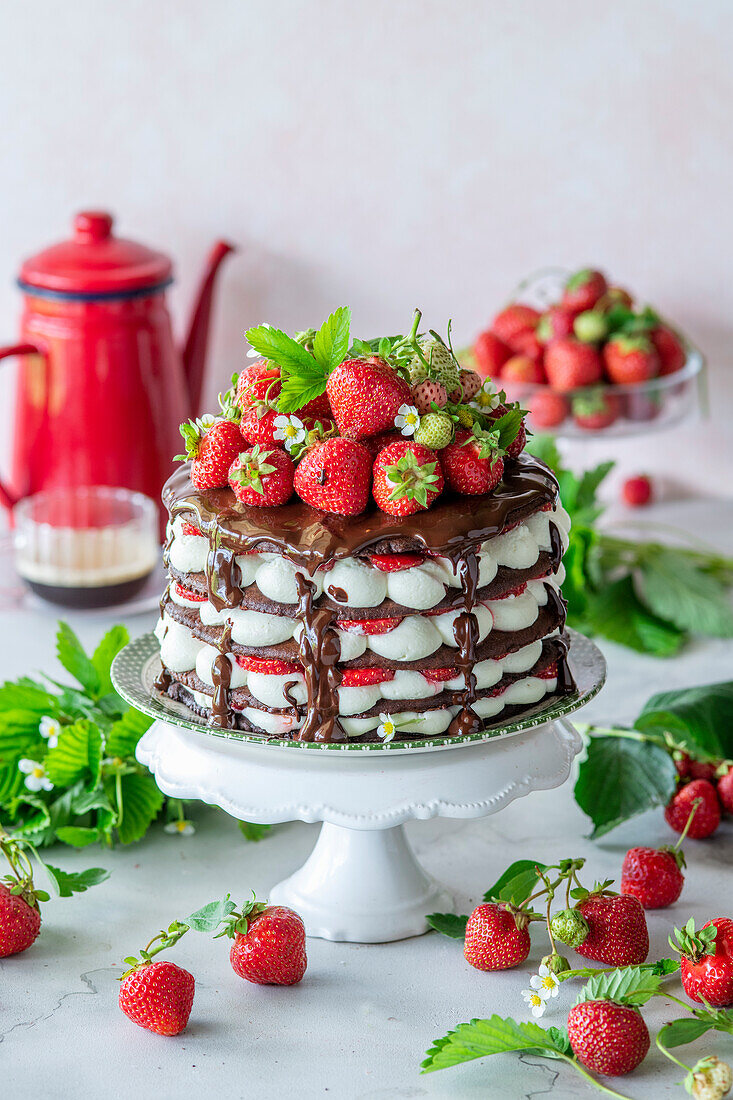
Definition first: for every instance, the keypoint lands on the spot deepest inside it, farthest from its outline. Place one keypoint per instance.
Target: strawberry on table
(497, 937)
(608, 1038)
(653, 875)
(472, 464)
(335, 476)
(630, 360)
(158, 996)
(212, 445)
(365, 396)
(262, 477)
(20, 922)
(725, 791)
(490, 354)
(617, 931)
(407, 478)
(706, 818)
(637, 491)
(706, 964)
(571, 365)
(583, 289)
(669, 348)
(269, 944)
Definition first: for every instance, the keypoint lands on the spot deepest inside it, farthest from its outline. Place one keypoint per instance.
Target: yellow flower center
(290, 431)
(535, 1000)
(37, 773)
(181, 825)
(549, 981)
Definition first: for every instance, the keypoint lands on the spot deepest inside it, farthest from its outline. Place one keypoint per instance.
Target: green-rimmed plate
(136, 666)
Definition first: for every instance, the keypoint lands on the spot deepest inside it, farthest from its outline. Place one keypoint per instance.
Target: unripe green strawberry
(441, 363)
(434, 431)
(556, 964)
(418, 371)
(711, 1079)
(570, 927)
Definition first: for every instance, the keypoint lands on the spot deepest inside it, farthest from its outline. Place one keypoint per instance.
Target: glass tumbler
(88, 546)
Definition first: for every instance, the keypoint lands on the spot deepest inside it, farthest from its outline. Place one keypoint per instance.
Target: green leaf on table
(617, 614)
(71, 654)
(663, 967)
(124, 734)
(331, 342)
(674, 589)
(677, 1033)
(481, 1038)
(448, 924)
(77, 836)
(516, 883)
(697, 717)
(630, 985)
(75, 882)
(586, 510)
(209, 917)
(78, 754)
(18, 732)
(109, 646)
(253, 831)
(141, 803)
(620, 778)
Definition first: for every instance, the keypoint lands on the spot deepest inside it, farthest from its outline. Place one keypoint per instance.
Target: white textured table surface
(359, 1023)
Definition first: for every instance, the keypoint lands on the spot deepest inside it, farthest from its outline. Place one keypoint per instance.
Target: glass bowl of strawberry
(586, 360)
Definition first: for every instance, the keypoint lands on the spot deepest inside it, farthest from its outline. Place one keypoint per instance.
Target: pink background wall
(388, 154)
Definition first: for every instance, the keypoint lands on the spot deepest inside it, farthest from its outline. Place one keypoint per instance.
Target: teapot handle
(7, 498)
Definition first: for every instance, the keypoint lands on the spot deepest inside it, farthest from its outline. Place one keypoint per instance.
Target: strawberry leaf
(629, 985)
(697, 717)
(517, 882)
(72, 656)
(141, 801)
(678, 1033)
(124, 735)
(616, 613)
(109, 646)
(78, 754)
(331, 342)
(621, 778)
(67, 883)
(448, 924)
(678, 591)
(279, 348)
(481, 1038)
(209, 917)
(253, 831)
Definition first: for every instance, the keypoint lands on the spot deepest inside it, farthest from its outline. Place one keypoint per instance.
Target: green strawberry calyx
(579, 279)
(251, 467)
(488, 442)
(628, 344)
(693, 944)
(193, 432)
(411, 480)
(237, 922)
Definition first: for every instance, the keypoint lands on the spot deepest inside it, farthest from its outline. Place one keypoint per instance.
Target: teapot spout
(194, 348)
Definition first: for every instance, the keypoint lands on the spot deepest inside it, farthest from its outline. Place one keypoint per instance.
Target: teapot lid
(95, 263)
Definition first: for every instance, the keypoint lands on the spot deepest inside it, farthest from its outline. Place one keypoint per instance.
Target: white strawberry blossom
(49, 730)
(545, 983)
(290, 429)
(35, 775)
(387, 727)
(407, 419)
(180, 828)
(537, 1003)
(487, 397)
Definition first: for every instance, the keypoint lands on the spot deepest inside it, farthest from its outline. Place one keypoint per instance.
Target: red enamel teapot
(102, 386)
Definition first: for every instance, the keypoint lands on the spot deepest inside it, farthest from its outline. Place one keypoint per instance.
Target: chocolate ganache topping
(455, 528)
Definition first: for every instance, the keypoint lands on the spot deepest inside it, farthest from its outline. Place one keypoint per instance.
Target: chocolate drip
(557, 603)
(164, 598)
(223, 575)
(556, 546)
(466, 634)
(163, 680)
(221, 674)
(320, 650)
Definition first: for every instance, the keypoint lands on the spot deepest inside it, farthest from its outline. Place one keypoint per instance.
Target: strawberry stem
(591, 1080)
(693, 811)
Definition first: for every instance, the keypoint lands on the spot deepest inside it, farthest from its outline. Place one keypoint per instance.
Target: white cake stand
(362, 882)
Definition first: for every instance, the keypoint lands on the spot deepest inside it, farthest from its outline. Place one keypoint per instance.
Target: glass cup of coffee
(85, 547)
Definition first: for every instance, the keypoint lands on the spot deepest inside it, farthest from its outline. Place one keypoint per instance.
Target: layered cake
(382, 562)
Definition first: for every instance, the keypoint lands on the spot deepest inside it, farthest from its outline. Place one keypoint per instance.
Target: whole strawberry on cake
(359, 549)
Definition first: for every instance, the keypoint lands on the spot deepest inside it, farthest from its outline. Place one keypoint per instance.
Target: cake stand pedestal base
(362, 883)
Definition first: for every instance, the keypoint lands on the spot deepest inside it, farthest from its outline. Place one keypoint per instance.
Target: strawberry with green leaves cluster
(590, 338)
(340, 422)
